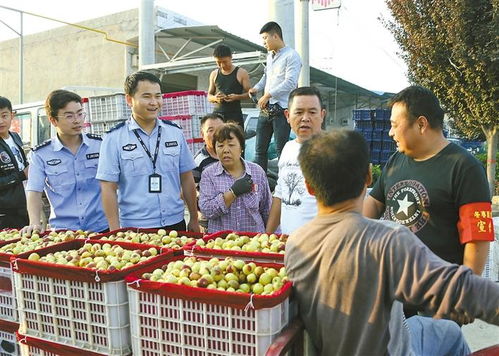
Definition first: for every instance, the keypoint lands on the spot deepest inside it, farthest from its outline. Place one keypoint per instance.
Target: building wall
(69, 57)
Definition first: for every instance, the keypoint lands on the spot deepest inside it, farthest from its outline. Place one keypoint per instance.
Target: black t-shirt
(426, 195)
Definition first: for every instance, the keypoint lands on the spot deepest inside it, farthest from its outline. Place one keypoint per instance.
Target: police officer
(65, 167)
(145, 165)
(13, 171)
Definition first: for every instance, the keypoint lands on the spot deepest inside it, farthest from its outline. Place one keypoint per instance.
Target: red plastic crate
(196, 235)
(8, 342)
(171, 319)
(75, 306)
(38, 347)
(196, 250)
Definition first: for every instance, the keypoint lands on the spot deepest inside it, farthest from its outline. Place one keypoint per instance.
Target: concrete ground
(480, 335)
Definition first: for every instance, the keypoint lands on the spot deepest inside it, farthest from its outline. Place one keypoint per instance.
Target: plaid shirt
(248, 212)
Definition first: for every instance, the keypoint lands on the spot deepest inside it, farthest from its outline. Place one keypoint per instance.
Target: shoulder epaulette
(168, 122)
(43, 144)
(94, 136)
(121, 124)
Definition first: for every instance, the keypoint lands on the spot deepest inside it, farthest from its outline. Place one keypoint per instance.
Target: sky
(350, 43)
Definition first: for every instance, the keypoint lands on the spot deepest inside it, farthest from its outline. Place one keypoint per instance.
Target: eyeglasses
(72, 116)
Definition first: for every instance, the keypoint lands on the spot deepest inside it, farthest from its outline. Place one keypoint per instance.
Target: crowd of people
(364, 286)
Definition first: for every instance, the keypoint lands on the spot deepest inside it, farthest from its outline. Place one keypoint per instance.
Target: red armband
(475, 222)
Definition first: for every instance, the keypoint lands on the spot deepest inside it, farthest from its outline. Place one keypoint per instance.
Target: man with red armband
(434, 187)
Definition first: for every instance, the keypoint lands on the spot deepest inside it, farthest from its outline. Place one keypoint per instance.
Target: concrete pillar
(302, 40)
(146, 33)
(283, 12)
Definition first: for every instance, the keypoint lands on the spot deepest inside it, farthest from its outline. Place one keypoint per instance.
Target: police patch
(171, 143)
(4, 157)
(129, 147)
(93, 155)
(54, 162)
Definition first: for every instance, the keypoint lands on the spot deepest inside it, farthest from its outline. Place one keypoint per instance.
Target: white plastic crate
(170, 326)
(89, 316)
(109, 108)
(192, 102)
(39, 347)
(100, 128)
(8, 344)
(8, 306)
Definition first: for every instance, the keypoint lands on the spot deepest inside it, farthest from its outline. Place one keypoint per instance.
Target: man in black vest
(228, 86)
(13, 171)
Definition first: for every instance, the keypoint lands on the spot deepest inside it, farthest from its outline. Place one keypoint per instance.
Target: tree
(451, 47)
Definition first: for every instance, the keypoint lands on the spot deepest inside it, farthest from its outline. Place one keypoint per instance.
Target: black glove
(242, 185)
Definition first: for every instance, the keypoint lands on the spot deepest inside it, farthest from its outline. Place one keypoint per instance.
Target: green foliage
(450, 46)
(376, 171)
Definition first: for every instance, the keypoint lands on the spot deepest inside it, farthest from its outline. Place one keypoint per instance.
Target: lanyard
(153, 160)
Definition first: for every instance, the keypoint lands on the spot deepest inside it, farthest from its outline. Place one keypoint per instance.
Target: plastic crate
(191, 102)
(375, 155)
(389, 146)
(376, 144)
(196, 235)
(8, 306)
(382, 125)
(363, 125)
(195, 144)
(8, 343)
(100, 128)
(79, 307)
(169, 323)
(362, 114)
(185, 123)
(196, 250)
(382, 114)
(39, 347)
(108, 108)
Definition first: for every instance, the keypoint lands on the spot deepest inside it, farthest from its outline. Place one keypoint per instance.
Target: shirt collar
(57, 144)
(133, 125)
(279, 51)
(219, 169)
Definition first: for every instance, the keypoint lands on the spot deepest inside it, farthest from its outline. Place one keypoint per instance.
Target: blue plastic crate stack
(374, 126)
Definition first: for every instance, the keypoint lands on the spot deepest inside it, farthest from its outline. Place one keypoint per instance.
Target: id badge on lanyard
(154, 183)
(154, 179)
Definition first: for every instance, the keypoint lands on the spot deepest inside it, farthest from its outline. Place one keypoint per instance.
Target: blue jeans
(436, 337)
(264, 129)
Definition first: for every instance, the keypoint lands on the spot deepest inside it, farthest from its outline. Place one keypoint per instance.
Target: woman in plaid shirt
(234, 193)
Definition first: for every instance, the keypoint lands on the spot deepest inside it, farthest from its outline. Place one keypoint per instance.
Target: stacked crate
(186, 109)
(106, 111)
(8, 309)
(375, 126)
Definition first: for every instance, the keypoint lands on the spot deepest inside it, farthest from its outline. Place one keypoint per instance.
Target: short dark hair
(5, 103)
(420, 101)
(224, 131)
(335, 165)
(272, 28)
(132, 81)
(305, 91)
(213, 116)
(222, 51)
(58, 99)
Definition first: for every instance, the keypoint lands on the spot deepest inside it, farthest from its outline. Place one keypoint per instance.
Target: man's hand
(252, 91)
(193, 225)
(30, 229)
(220, 97)
(262, 103)
(242, 186)
(231, 97)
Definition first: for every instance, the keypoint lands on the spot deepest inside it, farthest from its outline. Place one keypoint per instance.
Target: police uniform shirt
(69, 182)
(124, 161)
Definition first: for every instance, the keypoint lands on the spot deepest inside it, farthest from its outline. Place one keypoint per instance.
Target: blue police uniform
(69, 182)
(125, 161)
